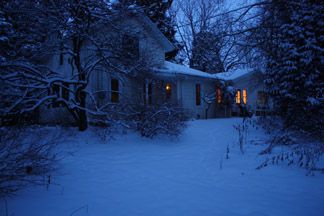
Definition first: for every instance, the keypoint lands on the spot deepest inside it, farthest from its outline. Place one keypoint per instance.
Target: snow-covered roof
(234, 74)
(170, 68)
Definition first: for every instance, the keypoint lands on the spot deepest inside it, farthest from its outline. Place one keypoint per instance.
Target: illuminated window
(198, 94)
(219, 97)
(244, 96)
(147, 93)
(114, 91)
(261, 97)
(238, 96)
(168, 91)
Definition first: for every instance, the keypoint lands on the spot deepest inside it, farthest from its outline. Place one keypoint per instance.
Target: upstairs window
(130, 47)
(114, 91)
(168, 91)
(198, 94)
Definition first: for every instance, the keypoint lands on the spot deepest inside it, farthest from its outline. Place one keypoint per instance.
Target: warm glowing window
(168, 91)
(198, 94)
(147, 93)
(114, 91)
(238, 96)
(244, 96)
(219, 97)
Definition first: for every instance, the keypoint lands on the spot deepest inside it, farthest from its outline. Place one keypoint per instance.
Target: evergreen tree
(295, 57)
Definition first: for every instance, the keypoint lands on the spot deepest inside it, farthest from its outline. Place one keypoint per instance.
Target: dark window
(261, 97)
(168, 91)
(65, 92)
(144, 93)
(61, 58)
(149, 90)
(57, 92)
(114, 91)
(147, 93)
(130, 47)
(198, 94)
(61, 55)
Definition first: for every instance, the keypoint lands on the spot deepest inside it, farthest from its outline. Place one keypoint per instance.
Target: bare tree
(235, 28)
(28, 157)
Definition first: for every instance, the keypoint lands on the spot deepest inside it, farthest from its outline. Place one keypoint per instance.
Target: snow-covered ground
(132, 176)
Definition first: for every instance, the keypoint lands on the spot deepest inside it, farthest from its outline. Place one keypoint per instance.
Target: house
(171, 82)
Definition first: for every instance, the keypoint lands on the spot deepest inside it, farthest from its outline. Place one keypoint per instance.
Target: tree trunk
(207, 111)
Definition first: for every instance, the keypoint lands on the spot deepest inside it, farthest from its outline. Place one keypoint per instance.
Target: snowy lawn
(132, 176)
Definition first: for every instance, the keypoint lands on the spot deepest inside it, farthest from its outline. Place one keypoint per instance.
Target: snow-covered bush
(243, 129)
(28, 156)
(166, 119)
(301, 149)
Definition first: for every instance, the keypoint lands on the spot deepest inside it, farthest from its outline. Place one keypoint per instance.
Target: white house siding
(151, 49)
(249, 83)
(189, 97)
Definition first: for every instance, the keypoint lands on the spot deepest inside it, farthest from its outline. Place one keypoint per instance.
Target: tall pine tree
(296, 63)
